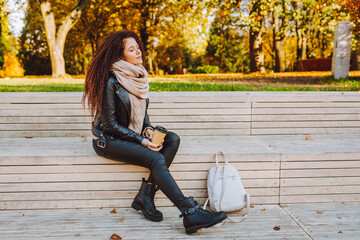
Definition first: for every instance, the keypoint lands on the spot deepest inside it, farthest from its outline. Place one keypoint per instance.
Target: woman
(116, 90)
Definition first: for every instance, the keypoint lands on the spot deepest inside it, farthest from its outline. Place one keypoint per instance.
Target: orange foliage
(12, 66)
(353, 8)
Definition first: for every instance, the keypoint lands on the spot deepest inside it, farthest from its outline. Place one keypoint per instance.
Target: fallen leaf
(122, 219)
(252, 205)
(263, 209)
(101, 207)
(309, 138)
(113, 211)
(84, 140)
(277, 228)
(115, 236)
(28, 137)
(319, 212)
(340, 232)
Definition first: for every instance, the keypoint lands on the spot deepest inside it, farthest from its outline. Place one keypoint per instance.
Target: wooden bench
(46, 158)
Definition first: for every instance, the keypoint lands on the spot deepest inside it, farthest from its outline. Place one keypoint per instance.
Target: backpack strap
(247, 212)
(224, 157)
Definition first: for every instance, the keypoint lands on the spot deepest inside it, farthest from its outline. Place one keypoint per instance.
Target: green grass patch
(46, 84)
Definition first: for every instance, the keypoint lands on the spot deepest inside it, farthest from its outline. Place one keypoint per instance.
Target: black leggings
(157, 162)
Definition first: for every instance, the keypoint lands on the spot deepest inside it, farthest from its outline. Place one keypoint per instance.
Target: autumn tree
(280, 25)
(3, 30)
(34, 51)
(255, 18)
(97, 19)
(353, 8)
(57, 29)
(314, 22)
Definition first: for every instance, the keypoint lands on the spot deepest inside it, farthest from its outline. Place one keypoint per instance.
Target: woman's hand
(149, 133)
(154, 147)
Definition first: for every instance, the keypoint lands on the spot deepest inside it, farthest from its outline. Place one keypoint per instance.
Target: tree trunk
(256, 52)
(279, 42)
(354, 64)
(56, 39)
(144, 25)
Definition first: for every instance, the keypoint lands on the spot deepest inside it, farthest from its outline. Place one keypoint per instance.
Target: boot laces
(151, 199)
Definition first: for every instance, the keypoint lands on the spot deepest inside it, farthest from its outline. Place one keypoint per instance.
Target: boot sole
(194, 229)
(151, 218)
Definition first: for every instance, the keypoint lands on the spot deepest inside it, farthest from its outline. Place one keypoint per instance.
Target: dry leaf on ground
(309, 138)
(319, 212)
(277, 228)
(113, 211)
(115, 236)
(84, 140)
(340, 232)
(263, 209)
(122, 219)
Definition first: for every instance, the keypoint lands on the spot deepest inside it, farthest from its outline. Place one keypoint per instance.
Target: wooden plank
(321, 165)
(69, 119)
(92, 195)
(320, 173)
(284, 191)
(334, 198)
(306, 117)
(200, 118)
(156, 105)
(63, 133)
(292, 131)
(309, 110)
(322, 104)
(308, 124)
(199, 111)
(120, 185)
(82, 112)
(323, 181)
(44, 126)
(177, 96)
(322, 156)
(175, 167)
(199, 105)
(36, 106)
(338, 221)
(181, 157)
(44, 112)
(113, 203)
(83, 126)
(69, 177)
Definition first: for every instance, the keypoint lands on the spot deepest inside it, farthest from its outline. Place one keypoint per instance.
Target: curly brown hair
(110, 49)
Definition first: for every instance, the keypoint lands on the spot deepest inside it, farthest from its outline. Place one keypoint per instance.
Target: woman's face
(132, 52)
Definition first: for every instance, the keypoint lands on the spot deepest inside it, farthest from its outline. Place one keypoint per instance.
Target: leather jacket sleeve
(147, 123)
(109, 116)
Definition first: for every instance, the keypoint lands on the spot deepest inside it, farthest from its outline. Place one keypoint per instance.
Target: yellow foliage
(12, 66)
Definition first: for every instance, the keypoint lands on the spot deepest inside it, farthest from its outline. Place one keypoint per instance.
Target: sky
(16, 16)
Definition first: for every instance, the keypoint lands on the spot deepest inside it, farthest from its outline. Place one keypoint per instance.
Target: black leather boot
(144, 201)
(195, 217)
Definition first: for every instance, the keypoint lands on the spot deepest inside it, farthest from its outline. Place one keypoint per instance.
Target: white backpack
(225, 189)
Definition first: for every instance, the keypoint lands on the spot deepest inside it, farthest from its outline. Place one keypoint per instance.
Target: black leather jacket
(114, 118)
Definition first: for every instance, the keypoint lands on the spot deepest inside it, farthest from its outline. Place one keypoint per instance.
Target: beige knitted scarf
(134, 79)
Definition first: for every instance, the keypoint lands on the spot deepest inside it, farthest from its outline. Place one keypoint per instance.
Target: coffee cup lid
(161, 129)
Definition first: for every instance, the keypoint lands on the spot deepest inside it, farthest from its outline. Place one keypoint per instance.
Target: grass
(306, 81)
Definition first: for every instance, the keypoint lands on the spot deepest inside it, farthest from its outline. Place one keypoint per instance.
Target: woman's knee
(157, 160)
(172, 138)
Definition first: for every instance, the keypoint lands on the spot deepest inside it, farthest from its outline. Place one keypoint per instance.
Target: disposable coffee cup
(158, 135)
